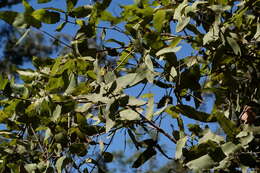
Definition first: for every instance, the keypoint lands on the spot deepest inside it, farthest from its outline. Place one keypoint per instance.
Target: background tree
(20, 45)
(54, 119)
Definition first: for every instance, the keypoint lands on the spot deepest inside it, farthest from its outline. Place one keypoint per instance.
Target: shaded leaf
(81, 11)
(194, 114)
(8, 16)
(71, 4)
(143, 157)
(43, 1)
(234, 45)
(108, 157)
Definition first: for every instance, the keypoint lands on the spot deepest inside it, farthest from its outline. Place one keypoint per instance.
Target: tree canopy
(53, 115)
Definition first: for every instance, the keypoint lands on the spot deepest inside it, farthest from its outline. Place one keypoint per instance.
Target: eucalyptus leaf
(179, 147)
(46, 16)
(129, 114)
(202, 163)
(168, 50)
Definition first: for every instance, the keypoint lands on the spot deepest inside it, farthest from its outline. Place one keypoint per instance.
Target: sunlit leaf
(61, 163)
(202, 163)
(149, 62)
(46, 16)
(129, 114)
(168, 50)
(179, 146)
(158, 19)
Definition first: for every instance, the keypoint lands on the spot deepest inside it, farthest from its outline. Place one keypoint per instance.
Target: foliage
(53, 117)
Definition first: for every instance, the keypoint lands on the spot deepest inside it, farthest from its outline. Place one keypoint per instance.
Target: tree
(52, 119)
(20, 45)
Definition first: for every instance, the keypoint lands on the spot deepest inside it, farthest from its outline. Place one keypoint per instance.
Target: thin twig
(56, 39)
(38, 140)
(115, 29)
(141, 91)
(109, 143)
(123, 60)
(155, 126)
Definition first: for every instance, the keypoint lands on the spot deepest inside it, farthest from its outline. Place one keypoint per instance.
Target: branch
(156, 127)
(109, 143)
(56, 39)
(39, 142)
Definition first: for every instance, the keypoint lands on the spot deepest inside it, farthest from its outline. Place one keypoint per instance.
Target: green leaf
(56, 113)
(229, 148)
(78, 148)
(133, 101)
(8, 16)
(227, 125)
(178, 11)
(108, 157)
(182, 23)
(61, 26)
(179, 147)
(193, 113)
(245, 137)
(43, 1)
(31, 167)
(158, 19)
(170, 111)
(109, 124)
(211, 136)
(150, 108)
(173, 73)
(175, 41)
(257, 34)
(129, 80)
(72, 84)
(56, 84)
(129, 114)
(202, 163)
(71, 4)
(82, 11)
(168, 50)
(46, 16)
(28, 7)
(149, 62)
(3, 82)
(61, 163)
(104, 5)
(4, 116)
(143, 157)
(234, 45)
